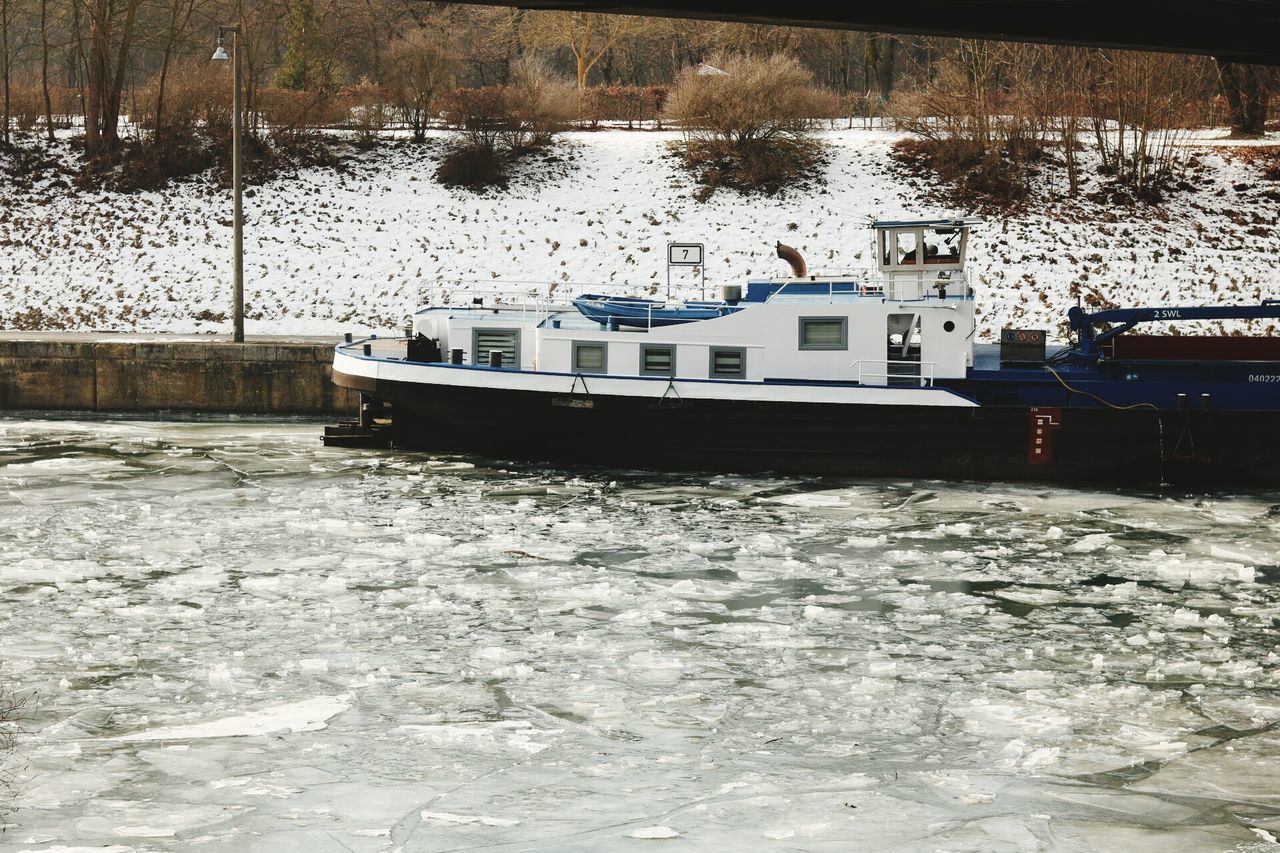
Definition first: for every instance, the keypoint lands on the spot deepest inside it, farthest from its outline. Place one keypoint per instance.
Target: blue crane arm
(1127, 318)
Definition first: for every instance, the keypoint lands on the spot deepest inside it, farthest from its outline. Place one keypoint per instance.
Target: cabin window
(824, 333)
(728, 363)
(506, 341)
(590, 358)
(942, 245)
(906, 244)
(658, 361)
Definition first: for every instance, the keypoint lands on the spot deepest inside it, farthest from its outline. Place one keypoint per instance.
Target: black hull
(987, 443)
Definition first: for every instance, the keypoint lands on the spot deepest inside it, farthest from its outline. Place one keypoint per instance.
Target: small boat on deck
(648, 313)
(870, 374)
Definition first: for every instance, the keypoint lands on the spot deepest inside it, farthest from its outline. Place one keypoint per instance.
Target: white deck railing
(874, 284)
(907, 373)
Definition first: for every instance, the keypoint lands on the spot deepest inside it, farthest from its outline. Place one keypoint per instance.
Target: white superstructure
(903, 325)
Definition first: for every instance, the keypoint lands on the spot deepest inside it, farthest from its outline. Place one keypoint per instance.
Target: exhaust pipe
(791, 256)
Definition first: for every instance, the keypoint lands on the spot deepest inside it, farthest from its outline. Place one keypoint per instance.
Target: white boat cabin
(904, 324)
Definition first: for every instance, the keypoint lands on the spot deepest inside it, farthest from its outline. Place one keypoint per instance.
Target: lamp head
(221, 53)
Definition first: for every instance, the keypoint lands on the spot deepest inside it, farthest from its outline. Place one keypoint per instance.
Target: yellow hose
(1107, 403)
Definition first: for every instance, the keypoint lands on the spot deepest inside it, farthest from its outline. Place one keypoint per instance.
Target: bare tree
(179, 13)
(420, 65)
(6, 64)
(1248, 89)
(759, 40)
(111, 32)
(587, 35)
(879, 58)
(44, 69)
(1138, 105)
(1067, 81)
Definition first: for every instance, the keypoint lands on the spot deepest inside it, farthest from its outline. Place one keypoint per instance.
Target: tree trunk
(4, 65)
(1248, 90)
(111, 108)
(44, 69)
(879, 57)
(164, 75)
(98, 39)
(164, 64)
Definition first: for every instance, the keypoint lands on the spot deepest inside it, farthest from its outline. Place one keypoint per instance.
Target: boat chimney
(791, 256)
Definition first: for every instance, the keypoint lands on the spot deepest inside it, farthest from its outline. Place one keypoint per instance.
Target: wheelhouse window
(506, 341)
(658, 361)
(728, 363)
(942, 245)
(907, 243)
(590, 357)
(824, 333)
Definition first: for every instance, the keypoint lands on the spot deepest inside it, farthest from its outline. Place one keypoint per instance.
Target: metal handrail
(913, 286)
(923, 376)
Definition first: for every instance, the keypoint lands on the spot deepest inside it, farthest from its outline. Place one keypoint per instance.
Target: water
(235, 639)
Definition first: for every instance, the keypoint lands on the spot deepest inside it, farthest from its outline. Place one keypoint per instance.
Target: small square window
(728, 363)
(590, 358)
(657, 361)
(824, 333)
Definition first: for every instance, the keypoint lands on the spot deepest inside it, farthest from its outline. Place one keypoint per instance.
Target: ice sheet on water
(394, 650)
(306, 716)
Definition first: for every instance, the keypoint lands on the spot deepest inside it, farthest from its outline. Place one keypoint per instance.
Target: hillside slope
(328, 251)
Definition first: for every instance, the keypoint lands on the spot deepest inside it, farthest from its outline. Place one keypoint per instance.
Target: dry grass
(972, 178)
(1265, 158)
(757, 167)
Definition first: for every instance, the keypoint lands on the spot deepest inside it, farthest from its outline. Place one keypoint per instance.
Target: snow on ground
(328, 251)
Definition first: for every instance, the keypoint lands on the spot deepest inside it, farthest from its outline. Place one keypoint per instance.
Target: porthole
(949, 326)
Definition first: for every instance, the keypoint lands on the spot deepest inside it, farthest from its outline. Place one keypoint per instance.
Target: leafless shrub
(367, 110)
(748, 122)
(632, 104)
(26, 105)
(421, 65)
(195, 101)
(982, 121)
(993, 110)
(483, 113)
(474, 159)
(540, 104)
(743, 100)
(1139, 105)
(499, 124)
(292, 116)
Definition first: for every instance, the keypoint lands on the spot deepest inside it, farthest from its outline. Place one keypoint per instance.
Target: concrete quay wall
(130, 374)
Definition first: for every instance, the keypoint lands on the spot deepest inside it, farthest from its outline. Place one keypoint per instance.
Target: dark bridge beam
(1235, 30)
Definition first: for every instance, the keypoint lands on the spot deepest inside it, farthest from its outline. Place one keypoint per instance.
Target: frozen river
(235, 639)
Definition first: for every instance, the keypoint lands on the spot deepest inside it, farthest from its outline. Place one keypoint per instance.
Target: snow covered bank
(330, 251)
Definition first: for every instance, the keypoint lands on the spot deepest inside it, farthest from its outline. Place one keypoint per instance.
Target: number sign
(684, 254)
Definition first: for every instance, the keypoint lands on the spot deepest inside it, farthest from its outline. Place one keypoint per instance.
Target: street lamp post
(237, 250)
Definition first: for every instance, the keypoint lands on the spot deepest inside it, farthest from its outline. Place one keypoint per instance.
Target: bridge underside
(1234, 30)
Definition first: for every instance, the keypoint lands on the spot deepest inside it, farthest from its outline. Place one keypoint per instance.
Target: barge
(868, 375)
